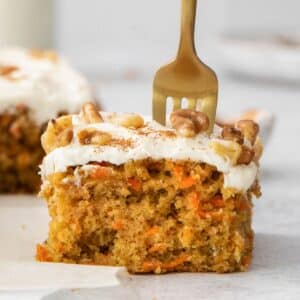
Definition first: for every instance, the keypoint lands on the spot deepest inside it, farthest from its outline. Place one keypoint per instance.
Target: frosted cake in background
(35, 86)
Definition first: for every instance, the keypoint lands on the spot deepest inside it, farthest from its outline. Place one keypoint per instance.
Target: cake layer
(42, 81)
(152, 140)
(148, 215)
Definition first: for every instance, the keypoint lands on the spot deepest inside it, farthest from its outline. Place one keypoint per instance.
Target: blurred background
(118, 44)
(254, 46)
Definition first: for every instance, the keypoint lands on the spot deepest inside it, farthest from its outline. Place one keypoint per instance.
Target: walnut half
(59, 133)
(188, 122)
(90, 114)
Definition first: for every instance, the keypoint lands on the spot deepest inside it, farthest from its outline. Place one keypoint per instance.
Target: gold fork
(186, 77)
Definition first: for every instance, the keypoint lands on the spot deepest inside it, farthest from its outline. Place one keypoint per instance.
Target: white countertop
(275, 273)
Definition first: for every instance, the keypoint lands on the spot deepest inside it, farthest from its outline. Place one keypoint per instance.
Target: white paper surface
(23, 224)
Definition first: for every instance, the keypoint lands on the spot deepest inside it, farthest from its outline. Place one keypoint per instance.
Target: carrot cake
(35, 86)
(123, 190)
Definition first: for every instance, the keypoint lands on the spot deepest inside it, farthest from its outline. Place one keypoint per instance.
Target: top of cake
(41, 80)
(116, 138)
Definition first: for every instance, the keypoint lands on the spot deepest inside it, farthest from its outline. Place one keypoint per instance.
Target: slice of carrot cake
(35, 86)
(124, 191)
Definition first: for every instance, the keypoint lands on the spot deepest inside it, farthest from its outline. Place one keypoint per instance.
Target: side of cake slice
(35, 86)
(125, 191)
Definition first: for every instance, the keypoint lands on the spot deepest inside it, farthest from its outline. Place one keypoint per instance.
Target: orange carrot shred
(178, 171)
(152, 265)
(246, 260)
(218, 202)
(118, 224)
(101, 172)
(243, 205)
(42, 253)
(152, 230)
(135, 184)
(187, 182)
(159, 247)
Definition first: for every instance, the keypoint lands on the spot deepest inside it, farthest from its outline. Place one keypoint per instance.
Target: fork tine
(159, 103)
(176, 103)
(192, 103)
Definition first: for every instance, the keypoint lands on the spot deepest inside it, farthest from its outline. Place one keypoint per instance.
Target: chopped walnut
(246, 156)
(232, 134)
(127, 120)
(249, 128)
(59, 133)
(90, 114)
(258, 149)
(230, 150)
(91, 136)
(188, 122)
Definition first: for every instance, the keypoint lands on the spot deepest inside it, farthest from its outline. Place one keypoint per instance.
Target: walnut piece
(249, 129)
(188, 122)
(231, 150)
(91, 136)
(258, 149)
(232, 134)
(59, 133)
(246, 156)
(90, 114)
(127, 120)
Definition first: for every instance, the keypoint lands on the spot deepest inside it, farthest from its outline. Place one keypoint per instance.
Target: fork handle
(187, 44)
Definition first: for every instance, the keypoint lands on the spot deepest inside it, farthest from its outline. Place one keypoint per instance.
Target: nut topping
(127, 120)
(246, 156)
(232, 134)
(91, 136)
(59, 133)
(249, 129)
(188, 122)
(90, 113)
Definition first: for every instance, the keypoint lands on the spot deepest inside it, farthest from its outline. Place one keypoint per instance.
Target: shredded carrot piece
(246, 260)
(187, 182)
(149, 266)
(159, 247)
(202, 213)
(194, 200)
(42, 253)
(178, 171)
(194, 203)
(152, 265)
(176, 262)
(135, 184)
(152, 231)
(101, 172)
(218, 202)
(243, 205)
(118, 224)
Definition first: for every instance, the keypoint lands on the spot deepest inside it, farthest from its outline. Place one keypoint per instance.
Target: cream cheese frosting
(152, 141)
(44, 85)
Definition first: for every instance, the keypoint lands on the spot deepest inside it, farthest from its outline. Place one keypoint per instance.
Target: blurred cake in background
(35, 86)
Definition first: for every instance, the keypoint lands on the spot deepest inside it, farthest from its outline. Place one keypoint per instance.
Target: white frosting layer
(153, 145)
(47, 87)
